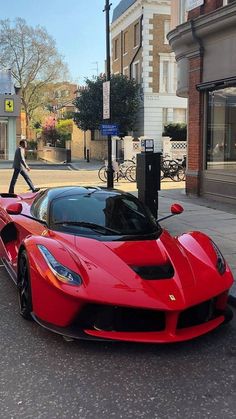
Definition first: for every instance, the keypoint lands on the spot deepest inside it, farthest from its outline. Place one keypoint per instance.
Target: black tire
(174, 172)
(130, 174)
(181, 173)
(228, 315)
(23, 287)
(102, 173)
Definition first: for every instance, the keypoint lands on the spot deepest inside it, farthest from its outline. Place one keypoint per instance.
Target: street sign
(106, 100)
(109, 129)
(9, 105)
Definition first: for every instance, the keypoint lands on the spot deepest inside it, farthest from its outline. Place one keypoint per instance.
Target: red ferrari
(94, 263)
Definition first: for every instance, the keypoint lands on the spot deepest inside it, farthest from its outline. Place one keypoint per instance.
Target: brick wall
(124, 60)
(158, 47)
(97, 148)
(193, 181)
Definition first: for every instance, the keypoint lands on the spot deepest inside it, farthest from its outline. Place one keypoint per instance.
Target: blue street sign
(109, 129)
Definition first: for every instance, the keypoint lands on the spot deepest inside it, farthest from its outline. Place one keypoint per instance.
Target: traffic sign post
(109, 129)
(106, 96)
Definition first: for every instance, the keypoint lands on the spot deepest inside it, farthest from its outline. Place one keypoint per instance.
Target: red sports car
(94, 263)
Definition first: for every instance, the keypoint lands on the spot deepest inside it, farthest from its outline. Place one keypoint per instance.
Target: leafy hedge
(177, 132)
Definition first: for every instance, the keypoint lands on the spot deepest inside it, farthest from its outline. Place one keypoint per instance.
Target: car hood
(108, 272)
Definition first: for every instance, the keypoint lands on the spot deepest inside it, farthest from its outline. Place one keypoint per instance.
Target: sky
(77, 26)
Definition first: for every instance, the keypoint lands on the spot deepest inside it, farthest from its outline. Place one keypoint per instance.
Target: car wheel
(23, 286)
(228, 315)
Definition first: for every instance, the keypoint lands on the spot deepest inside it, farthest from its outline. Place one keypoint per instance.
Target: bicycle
(173, 170)
(120, 171)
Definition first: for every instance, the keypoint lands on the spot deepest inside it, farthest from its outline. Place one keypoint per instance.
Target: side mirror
(14, 208)
(176, 209)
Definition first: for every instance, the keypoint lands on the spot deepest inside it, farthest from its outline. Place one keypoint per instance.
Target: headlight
(60, 271)
(220, 263)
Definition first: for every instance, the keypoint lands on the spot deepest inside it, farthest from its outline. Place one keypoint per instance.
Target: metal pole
(108, 74)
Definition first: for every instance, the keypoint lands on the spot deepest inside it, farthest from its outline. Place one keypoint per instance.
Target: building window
(136, 72)
(221, 130)
(179, 115)
(166, 30)
(182, 11)
(116, 49)
(165, 77)
(136, 34)
(225, 2)
(164, 117)
(125, 42)
(126, 71)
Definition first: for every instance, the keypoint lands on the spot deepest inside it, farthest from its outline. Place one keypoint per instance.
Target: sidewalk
(77, 164)
(217, 220)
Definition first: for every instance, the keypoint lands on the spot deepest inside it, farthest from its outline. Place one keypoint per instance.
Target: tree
(34, 61)
(124, 103)
(176, 131)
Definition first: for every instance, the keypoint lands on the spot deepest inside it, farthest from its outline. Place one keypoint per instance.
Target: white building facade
(140, 50)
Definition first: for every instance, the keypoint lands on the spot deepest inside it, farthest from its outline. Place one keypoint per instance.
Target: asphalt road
(43, 376)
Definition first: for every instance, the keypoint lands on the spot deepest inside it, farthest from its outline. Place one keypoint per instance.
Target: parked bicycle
(172, 169)
(120, 171)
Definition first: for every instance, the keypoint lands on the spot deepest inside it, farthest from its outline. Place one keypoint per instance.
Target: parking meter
(149, 175)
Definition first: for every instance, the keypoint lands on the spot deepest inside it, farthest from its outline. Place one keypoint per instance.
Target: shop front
(219, 176)
(205, 51)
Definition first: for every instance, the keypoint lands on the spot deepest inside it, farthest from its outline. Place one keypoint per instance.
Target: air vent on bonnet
(154, 272)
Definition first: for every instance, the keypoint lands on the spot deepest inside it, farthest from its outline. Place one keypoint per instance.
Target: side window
(39, 209)
(43, 209)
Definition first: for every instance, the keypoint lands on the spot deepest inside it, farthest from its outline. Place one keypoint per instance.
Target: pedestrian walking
(21, 167)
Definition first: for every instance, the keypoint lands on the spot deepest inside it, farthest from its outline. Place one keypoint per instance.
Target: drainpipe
(201, 53)
(200, 44)
(121, 52)
(139, 47)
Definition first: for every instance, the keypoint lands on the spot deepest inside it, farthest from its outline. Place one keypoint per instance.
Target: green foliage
(124, 103)
(57, 133)
(32, 145)
(176, 131)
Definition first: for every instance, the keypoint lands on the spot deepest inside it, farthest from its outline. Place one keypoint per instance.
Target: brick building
(140, 50)
(205, 51)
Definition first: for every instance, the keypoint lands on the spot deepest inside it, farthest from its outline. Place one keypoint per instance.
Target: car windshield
(103, 214)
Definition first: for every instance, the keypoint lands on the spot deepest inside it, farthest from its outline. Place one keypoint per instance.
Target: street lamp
(108, 77)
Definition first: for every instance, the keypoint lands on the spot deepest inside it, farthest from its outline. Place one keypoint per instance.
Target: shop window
(3, 141)
(221, 130)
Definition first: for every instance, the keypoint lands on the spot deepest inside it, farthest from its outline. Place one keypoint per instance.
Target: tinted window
(123, 214)
(40, 206)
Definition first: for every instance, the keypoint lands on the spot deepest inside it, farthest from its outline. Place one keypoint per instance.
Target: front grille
(120, 319)
(198, 314)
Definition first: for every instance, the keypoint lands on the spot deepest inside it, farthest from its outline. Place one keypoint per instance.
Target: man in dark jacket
(20, 167)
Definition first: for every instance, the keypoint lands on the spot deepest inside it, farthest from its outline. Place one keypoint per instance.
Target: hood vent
(154, 272)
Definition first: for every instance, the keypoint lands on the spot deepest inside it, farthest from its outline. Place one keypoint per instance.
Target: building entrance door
(3, 140)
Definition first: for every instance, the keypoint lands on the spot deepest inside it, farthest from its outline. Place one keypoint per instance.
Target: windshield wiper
(93, 226)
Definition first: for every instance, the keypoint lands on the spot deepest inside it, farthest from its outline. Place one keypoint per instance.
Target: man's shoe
(36, 190)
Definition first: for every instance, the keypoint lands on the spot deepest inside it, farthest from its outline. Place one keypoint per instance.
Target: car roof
(64, 191)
